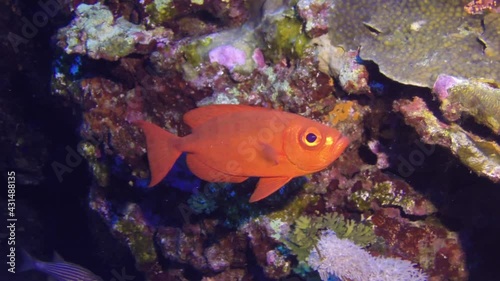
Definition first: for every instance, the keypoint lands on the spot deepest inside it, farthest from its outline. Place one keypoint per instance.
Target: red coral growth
(436, 250)
(106, 107)
(479, 6)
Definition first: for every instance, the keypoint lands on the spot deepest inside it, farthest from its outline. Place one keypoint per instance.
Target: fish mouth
(340, 144)
(334, 152)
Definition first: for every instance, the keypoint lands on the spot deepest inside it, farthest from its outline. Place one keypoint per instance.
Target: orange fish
(230, 143)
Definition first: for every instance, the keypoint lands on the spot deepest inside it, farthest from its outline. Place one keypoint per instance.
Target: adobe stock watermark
(416, 158)
(72, 160)
(40, 19)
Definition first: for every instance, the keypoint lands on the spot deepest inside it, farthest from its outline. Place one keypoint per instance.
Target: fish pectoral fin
(267, 186)
(269, 153)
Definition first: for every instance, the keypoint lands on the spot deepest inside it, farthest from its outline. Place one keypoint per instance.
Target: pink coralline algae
(228, 56)
(258, 58)
(316, 15)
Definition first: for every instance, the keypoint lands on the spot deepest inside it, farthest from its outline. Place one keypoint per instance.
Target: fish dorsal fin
(200, 115)
(57, 257)
(267, 186)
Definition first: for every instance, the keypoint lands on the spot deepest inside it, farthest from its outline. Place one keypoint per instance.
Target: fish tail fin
(28, 262)
(162, 150)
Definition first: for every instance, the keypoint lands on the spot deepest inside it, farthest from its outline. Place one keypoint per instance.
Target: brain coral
(413, 41)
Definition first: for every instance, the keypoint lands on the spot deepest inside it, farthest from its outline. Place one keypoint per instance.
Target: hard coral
(481, 156)
(478, 99)
(96, 33)
(415, 41)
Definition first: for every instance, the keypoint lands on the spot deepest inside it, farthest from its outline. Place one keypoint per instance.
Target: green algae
(306, 230)
(385, 193)
(105, 37)
(194, 51)
(482, 157)
(293, 209)
(141, 245)
(284, 36)
(478, 100)
(161, 11)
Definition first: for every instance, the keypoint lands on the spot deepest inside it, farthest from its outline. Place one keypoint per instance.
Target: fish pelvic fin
(162, 150)
(267, 186)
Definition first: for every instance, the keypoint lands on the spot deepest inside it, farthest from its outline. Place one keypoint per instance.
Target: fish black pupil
(311, 137)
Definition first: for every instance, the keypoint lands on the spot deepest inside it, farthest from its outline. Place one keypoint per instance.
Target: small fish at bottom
(58, 270)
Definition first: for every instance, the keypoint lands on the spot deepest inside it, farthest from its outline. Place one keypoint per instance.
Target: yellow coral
(342, 111)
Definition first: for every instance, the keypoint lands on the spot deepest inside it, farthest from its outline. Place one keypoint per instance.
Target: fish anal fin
(162, 150)
(267, 186)
(207, 173)
(200, 115)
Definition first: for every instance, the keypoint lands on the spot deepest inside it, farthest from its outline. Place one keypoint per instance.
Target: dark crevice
(372, 29)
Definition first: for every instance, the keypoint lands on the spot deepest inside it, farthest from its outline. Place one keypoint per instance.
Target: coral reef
(346, 65)
(477, 99)
(316, 14)
(478, 7)
(480, 155)
(96, 33)
(315, 58)
(413, 42)
(305, 235)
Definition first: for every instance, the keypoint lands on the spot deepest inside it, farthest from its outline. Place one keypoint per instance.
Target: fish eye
(311, 137)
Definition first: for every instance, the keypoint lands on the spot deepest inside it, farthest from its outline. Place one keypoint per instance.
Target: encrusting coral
(414, 41)
(480, 155)
(474, 98)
